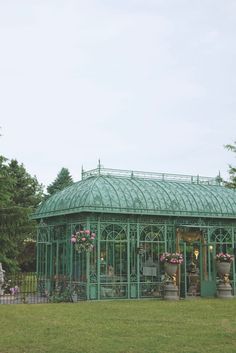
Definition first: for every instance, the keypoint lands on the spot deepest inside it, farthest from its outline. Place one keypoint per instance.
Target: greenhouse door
(197, 275)
(208, 275)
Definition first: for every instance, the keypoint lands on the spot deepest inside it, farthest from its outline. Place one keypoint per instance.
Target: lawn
(191, 326)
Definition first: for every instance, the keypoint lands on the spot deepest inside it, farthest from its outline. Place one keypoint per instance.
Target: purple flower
(14, 290)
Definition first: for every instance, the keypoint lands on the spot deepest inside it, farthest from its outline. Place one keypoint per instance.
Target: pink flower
(73, 240)
(93, 235)
(83, 239)
(92, 238)
(87, 231)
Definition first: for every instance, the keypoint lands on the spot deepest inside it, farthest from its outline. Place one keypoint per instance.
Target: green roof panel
(110, 191)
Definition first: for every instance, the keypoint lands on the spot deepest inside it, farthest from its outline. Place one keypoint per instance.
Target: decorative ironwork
(149, 175)
(135, 216)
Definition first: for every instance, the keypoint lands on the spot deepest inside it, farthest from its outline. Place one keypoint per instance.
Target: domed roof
(111, 191)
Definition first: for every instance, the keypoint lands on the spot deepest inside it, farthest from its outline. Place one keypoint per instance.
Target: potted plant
(223, 263)
(171, 262)
(83, 240)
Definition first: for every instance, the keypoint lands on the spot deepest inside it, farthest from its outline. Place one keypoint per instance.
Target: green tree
(232, 169)
(27, 191)
(19, 195)
(62, 180)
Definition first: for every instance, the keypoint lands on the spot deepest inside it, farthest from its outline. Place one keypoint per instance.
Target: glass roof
(111, 191)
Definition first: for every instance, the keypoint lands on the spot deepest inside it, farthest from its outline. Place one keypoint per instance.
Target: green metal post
(88, 267)
(128, 258)
(88, 274)
(99, 259)
(46, 261)
(209, 258)
(57, 258)
(165, 235)
(51, 259)
(210, 265)
(37, 252)
(185, 271)
(138, 260)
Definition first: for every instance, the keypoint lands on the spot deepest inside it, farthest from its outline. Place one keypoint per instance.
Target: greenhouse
(131, 219)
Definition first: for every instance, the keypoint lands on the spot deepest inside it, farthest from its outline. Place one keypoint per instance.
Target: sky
(145, 85)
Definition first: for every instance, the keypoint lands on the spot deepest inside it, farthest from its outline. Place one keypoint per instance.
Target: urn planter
(170, 269)
(224, 289)
(170, 288)
(223, 268)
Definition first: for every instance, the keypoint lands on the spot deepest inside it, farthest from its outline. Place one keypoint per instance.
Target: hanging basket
(170, 269)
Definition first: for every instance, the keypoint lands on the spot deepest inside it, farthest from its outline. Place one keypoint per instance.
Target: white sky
(141, 84)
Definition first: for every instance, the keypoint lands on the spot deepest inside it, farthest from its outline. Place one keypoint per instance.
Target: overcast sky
(141, 84)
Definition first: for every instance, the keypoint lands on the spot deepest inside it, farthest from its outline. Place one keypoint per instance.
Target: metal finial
(219, 179)
(82, 172)
(99, 166)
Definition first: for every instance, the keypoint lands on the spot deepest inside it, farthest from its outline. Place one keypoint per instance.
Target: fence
(32, 289)
(29, 288)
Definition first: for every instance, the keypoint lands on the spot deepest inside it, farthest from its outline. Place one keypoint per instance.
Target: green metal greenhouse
(136, 216)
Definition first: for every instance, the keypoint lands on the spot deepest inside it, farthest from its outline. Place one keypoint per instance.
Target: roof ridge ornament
(99, 166)
(82, 172)
(119, 173)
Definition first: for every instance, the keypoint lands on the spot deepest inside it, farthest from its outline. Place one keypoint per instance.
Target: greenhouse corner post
(87, 273)
(128, 255)
(88, 268)
(138, 259)
(71, 259)
(37, 253)
(98, 257)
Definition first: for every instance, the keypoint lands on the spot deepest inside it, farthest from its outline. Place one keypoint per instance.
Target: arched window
(152, 245)
(223, 239)
(113, 253)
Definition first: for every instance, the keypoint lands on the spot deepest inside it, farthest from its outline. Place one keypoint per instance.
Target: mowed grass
(191, 326)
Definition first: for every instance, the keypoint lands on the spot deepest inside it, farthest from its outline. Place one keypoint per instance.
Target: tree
(19, 195)
(27, 191)
(232, 170)
(62, 180)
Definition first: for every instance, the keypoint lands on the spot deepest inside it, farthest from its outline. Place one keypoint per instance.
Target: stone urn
(224, 289)
(170, 288)
(223, 268)
(170, 269)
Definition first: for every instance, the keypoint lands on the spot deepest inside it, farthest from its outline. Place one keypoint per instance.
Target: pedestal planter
(170, 269)
(223, 268)
(170, 288)
(224, 289)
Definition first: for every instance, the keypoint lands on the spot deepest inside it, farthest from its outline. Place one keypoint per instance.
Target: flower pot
(170, 269)
(224, 289)
(223, 268)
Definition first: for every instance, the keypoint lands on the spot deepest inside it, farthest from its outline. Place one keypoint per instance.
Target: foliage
(61, 296)
(221, 257)
(15, 283)
(62, 180)
(132, 326)
(83, 240)
(232, 169)
(19, 195)
(172, 258)
(27, 256)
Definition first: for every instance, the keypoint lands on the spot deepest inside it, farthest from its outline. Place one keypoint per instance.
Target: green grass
(194, 326)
